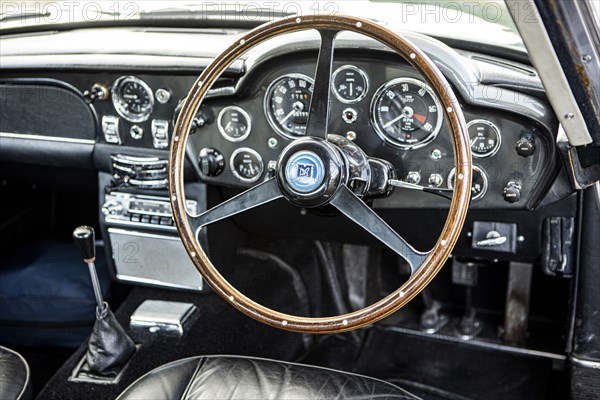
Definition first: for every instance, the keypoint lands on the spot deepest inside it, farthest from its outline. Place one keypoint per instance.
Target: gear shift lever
(109, 347)
(85, 238)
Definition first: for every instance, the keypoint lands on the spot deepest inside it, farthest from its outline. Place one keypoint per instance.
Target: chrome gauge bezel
(222, 128)
(118, 101)
(477, 169)
(362, 73)
(234, 170)
(267, 106)
(381, 132)
(498, 135)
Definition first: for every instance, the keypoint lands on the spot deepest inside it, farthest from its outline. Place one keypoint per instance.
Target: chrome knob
(112, 207)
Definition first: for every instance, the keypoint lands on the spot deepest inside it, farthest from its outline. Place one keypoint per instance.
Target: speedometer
(287, 104)
(406, 113)
(132, 98)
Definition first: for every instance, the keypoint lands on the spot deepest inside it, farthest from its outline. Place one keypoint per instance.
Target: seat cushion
(15, 382)
(235, 377)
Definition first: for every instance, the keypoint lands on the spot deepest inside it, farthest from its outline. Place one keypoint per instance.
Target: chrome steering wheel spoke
(318, 117)
(254, 197)
(355, 209)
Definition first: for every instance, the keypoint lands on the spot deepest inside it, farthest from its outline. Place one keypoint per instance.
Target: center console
(137, 222)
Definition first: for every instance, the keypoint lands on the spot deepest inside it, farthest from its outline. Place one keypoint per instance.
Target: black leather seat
(233, 377)
(15, 382)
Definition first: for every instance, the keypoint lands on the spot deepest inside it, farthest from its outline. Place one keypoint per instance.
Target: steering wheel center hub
(310, 171)
(304, 171)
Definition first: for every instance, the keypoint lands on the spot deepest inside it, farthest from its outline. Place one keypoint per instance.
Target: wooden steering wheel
(333, 169)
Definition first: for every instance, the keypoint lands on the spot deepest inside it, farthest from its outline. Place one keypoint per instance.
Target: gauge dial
(246, 164)
(234, 123)
(132, 98)
(406, 113)
(349, 84)
(287, 104)
(484, 137)
(479, 184)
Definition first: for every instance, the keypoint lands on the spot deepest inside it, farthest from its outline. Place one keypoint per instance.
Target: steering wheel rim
(433, 261)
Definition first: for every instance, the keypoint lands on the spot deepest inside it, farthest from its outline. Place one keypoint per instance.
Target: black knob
(512, 192)
(525, 146)
(84, 239)
(211, 161)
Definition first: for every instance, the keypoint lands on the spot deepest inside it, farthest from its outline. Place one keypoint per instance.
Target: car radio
(127, 209)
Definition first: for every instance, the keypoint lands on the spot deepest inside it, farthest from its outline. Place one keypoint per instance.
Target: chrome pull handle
(493, 238)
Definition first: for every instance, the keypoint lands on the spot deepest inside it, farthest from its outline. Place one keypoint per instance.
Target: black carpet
(217, 329)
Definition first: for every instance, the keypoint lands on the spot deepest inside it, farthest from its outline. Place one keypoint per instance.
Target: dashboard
(261, 104)
(114, 114)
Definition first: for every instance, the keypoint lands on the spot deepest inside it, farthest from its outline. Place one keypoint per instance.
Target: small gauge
(246, 164)
(349, 84)
(132, 98)
(287, 104)
(484, 137)
(406, 113)
(479, 185)
(234, 123)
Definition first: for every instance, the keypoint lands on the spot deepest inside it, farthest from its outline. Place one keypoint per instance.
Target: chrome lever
(493, 238)
(442, 192)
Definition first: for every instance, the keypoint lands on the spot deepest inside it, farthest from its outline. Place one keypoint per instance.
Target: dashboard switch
(211, 162)
(435, 180)
(160, 133)
(512, 192)
(110, 128)
(349, 115)
(525, 146)
(413, 177)
(136, 132)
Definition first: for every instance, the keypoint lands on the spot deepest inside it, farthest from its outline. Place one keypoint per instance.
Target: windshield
(485, 21)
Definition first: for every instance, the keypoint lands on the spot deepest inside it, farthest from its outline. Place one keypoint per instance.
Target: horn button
(310, 171)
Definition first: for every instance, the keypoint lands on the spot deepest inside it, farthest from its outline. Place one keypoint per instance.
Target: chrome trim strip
(46, 138)
(130, 224)
(584, 363)
(155, 282)
(528, 21)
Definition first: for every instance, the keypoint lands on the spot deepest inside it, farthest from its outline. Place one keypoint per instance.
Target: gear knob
(85, 239)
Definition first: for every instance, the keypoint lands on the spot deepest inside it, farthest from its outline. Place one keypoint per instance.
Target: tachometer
(132, 98)
(406, 113)
(287, 104)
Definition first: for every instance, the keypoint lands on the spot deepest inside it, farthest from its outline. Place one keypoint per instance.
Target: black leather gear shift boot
(109, 347)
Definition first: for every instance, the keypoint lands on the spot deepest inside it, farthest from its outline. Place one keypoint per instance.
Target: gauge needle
(474, 140)
(287, 116)
(392, 122)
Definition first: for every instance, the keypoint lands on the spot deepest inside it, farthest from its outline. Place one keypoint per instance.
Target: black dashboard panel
(533, 173)
(47, 108)
(515, 114)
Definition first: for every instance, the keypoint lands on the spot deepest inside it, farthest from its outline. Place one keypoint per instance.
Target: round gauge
(234, 123)
(484, 137)
(479, 185)
(349, 84)
(132, 98)
(406, 113)
(246, 164)
(287, 104)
